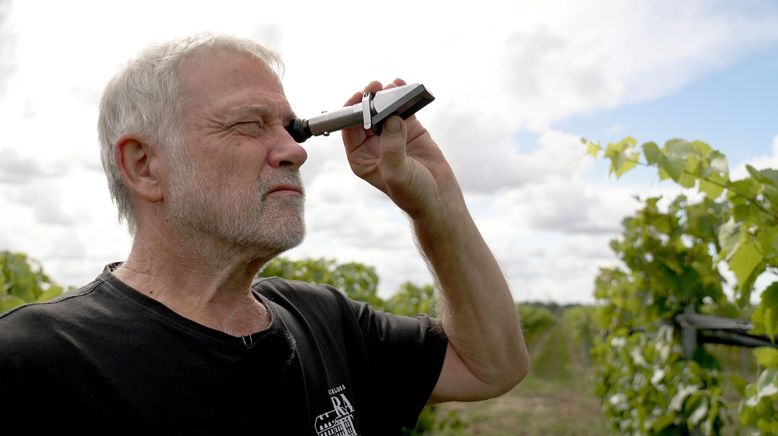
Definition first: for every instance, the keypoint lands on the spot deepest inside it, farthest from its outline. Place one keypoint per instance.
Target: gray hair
(145, 98)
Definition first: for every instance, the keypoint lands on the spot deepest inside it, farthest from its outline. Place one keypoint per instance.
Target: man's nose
(286, 152)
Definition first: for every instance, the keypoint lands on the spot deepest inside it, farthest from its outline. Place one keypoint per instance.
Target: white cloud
(593, 55)
(758, 162)
(498, 69)
(487, 158)
(6, 44)
(15, 168)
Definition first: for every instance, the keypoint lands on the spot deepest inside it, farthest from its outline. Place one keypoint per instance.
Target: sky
(517, 84)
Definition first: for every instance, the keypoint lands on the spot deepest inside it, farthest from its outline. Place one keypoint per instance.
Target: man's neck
(204, 281)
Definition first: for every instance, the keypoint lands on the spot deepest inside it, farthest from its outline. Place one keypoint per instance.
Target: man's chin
(288, 236)
(268, 251)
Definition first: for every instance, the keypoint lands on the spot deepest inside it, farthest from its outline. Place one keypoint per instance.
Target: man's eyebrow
(253, 111)
(258, 111)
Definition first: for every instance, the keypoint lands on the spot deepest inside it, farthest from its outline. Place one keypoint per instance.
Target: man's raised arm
(486, 355)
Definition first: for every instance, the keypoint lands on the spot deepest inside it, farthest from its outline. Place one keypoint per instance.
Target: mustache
(285, 177)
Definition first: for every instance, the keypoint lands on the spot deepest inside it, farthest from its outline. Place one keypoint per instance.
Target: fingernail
(392, 126)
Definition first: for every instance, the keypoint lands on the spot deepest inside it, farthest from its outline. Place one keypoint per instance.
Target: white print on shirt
(340, 420)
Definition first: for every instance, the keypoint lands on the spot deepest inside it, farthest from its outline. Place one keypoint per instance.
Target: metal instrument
(403, 100)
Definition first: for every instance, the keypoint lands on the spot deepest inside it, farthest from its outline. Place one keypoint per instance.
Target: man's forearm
(479, 315)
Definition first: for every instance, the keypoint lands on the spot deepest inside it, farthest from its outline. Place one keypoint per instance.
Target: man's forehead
(232, 79)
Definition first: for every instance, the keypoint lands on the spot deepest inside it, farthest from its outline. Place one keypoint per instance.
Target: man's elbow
(509, 374)
(518, 368)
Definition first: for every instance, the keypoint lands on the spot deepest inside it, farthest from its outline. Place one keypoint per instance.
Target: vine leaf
(729, 235)
(766, 386)
(676, 153)
(677, 402)
(745, 262)
(699, 413)
(592, 149)
(765, 317)
(766, 177)
(767, 357)
(652, 153)
(622, 155)
(715, 176)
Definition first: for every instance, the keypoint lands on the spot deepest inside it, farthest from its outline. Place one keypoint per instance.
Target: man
(177, 339)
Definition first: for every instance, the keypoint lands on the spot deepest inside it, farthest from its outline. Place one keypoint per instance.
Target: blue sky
(734, 109)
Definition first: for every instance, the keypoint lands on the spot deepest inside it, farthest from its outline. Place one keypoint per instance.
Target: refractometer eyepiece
(403, 101)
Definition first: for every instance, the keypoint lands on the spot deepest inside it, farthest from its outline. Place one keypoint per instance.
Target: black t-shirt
(107, 359)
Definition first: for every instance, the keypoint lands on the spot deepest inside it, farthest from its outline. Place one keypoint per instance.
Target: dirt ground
(555, 399)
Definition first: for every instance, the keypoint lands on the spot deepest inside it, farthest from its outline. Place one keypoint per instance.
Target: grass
(554, 399)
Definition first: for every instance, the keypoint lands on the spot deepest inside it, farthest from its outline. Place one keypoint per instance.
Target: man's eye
(251, 126)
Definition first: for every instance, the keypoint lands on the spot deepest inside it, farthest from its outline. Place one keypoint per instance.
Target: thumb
(393, 142)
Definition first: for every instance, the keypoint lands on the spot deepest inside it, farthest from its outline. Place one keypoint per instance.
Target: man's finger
(399, 82)
(354, 99)
(393, 141)
(353, 137)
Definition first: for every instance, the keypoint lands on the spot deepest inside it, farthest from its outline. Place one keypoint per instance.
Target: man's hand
(486, 355)
(403, 162)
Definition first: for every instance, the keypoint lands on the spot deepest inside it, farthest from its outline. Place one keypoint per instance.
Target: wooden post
(689, 334)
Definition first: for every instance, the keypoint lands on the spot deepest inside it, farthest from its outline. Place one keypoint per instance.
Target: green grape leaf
(676, 152)
(767, 384)
(699, 413)
(714, 176)
(593, 149)
(662, 421)
(767, 357)
(729, 235)
(718, 167)
(686, 180)
(711, 190)
(622, 155)
(766, 177)
(671, 169)
(771, 195)
(702, 149)
(770, 177)
(652, 153)
(764, 317)
(739, 191)
(744, 262)
(767, 236)
(677, 402)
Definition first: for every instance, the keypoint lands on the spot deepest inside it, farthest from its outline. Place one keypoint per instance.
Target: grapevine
(670, 261)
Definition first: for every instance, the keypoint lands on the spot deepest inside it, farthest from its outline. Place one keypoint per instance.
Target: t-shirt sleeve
(407, 356)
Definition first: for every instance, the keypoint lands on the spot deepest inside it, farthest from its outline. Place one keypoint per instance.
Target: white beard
(243, 218)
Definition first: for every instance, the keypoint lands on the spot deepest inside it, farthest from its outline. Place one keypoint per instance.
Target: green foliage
(22, 280)
(412, 299)
(765, 317)
(647, 387)
(583, 329)
(535, 319)
(644, 384)
(668, 260)
(358, 281)
(757, 410)
(622, 155)
(433, 420)
(671, 258)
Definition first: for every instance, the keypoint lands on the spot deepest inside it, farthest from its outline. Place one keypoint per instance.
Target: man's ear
(139, 168)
